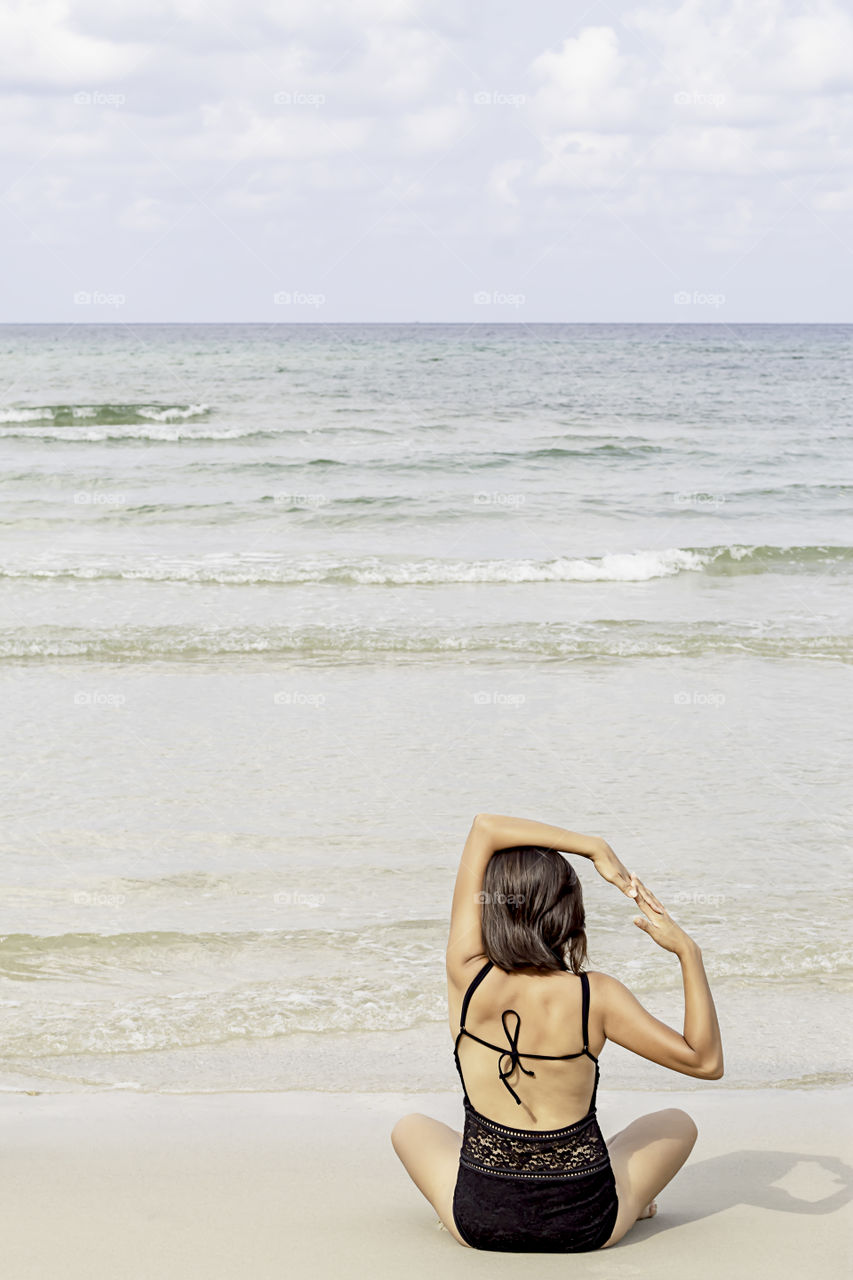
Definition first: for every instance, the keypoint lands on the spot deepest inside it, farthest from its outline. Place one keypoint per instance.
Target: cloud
(749, 92)
(426, 132)
(775, 46)
(42, 51)
(501, 181)
(143, 214)
(585, 160)
(587, 83)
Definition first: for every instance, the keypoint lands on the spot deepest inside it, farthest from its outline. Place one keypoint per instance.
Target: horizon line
(321, 324)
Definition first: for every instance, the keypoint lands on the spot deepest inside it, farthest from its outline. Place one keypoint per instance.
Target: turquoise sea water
(281, 607)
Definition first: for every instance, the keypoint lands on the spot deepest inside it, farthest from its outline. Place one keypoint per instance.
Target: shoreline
(441, 1096)
(255, 1184)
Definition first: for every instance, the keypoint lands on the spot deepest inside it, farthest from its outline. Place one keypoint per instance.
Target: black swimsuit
(529, 1190)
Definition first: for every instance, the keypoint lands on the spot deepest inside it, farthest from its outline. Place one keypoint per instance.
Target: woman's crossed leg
(429, 1151)
(646, 1155)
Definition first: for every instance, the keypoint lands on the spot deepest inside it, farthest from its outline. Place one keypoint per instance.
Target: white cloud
(775, 46)
(838, 201)
(700, 129)
(433, 128)
(501, 181)
(143, 214)
(587, 83)
(585, 160)
(747, 91)
(40, 49)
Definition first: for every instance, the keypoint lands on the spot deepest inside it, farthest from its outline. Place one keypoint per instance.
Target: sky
(433, 160)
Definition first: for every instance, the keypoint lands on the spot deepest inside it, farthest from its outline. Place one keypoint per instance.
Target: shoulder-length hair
(533, 915)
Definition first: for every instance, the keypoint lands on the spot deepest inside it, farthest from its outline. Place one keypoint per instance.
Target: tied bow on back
(512, 1054)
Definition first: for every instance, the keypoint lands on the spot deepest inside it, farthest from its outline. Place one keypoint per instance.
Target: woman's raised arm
(492, 831)
(698, 1051)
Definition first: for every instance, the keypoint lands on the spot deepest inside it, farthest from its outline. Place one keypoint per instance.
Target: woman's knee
(671, 1122)
(684, 1125)
(403, 1128)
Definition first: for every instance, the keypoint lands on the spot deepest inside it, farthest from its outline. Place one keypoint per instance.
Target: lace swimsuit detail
(562, 1153)
(526, 1189)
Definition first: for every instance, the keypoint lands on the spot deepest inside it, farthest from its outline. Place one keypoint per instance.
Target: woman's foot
(649, 1211)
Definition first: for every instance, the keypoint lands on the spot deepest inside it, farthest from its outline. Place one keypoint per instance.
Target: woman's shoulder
(461, 973)
(603, 985)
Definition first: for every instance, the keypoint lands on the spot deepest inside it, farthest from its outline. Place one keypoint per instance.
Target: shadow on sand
(749, 1177)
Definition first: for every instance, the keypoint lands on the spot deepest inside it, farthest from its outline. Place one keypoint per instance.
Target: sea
(283, 606)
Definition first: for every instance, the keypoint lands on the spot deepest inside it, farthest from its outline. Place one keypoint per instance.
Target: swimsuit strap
(585, 1005)
(471, 989)
(585, 1024)
(473, 985)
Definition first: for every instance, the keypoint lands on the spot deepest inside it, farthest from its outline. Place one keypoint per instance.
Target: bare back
(524, 1015)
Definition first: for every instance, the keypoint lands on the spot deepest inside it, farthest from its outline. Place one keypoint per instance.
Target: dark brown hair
(533, 916)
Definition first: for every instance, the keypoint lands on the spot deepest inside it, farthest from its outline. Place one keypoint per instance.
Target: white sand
(262, 1185)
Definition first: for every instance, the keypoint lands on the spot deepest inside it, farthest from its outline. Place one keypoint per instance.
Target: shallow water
(282, 607)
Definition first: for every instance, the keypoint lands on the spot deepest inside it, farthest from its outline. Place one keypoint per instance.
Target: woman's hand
(615, 872)
(612, 870)
(659, 924)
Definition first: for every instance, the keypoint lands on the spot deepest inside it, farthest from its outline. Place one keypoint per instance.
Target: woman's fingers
(652, 915)
(646, 895)
(652, 900)
(633, 887)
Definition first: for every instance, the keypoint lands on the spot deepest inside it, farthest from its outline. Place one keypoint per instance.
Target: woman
(532, 1172)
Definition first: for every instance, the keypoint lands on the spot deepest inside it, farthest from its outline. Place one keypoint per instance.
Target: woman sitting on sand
(532, 1171)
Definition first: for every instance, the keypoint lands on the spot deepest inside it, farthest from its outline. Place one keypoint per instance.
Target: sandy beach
(263, 1185)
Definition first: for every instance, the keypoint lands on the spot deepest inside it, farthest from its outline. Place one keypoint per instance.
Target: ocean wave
(168, 989)
(72, 955)
(601, 641)
(394, 1000)
(631, 566)
(404, 943)
(627, 447)
(164, 432)
(127, 423)
(103, 414)
(241, 1012)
